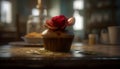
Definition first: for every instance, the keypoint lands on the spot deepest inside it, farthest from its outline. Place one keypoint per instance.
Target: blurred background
(92, 16)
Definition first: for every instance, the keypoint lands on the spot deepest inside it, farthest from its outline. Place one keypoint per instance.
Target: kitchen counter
(80, 56)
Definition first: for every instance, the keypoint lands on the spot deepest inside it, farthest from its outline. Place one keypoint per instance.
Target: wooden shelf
(101, 8)
(101, 13)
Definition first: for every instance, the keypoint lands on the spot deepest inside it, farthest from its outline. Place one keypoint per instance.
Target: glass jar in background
(104, 36)
(92, 39)
(33, 24)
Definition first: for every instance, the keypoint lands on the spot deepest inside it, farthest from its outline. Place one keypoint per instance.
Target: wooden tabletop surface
(80, 55)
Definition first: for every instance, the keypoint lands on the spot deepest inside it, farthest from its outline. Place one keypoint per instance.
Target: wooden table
(80, 56)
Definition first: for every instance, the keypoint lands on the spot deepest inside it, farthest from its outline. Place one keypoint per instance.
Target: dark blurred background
(91, 16)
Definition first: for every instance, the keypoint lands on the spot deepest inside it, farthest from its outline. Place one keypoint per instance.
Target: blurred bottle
(45, 17)
(33, 24)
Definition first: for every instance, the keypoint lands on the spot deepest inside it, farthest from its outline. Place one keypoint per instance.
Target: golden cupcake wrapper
(58, 44)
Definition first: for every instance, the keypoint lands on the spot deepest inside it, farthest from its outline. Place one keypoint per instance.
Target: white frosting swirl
(57, 34)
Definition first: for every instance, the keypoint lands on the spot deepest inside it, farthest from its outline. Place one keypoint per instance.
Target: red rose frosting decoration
(59, 22)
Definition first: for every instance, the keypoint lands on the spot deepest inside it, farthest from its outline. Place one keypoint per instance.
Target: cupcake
(56, 38)
(33, 38)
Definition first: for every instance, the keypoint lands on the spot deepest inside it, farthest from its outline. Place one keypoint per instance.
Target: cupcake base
(58, 44)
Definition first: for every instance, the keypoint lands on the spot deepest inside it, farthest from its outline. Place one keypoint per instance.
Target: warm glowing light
(6, 12)
(35, 12)
(39, 1)
(78, 4)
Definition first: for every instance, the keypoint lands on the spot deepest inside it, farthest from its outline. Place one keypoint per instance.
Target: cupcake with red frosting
(56, 38)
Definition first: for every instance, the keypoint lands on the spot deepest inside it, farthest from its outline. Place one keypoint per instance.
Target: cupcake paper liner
(58, 44)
